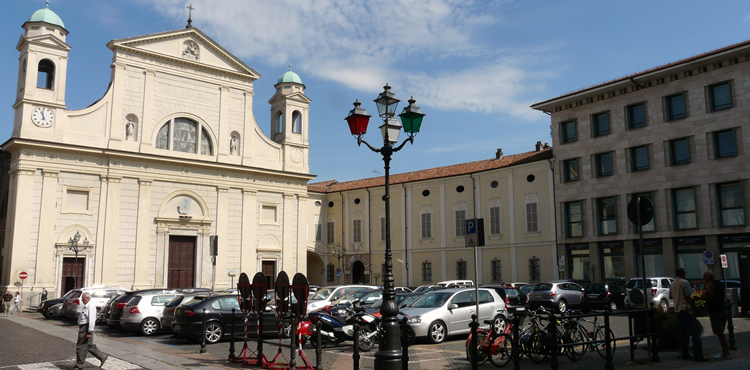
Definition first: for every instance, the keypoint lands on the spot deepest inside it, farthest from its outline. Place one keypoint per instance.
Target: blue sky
(474, 67)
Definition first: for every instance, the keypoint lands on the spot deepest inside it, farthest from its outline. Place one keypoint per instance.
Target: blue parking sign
(471, 226)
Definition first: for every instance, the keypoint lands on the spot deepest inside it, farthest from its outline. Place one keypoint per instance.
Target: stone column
(108, 246)
(289, 254)
(18, 228)
(143, 268)
(249, 252)
(222, 230)
(45, 261)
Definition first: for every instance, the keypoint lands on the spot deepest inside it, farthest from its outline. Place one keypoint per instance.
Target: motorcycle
(337, 325)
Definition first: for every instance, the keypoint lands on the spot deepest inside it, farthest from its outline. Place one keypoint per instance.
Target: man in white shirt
(86, 324)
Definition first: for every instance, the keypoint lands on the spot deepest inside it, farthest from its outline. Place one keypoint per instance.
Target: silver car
(167, 316)
(656, 287)
(437, 314)
(144, 311)
(558, 294)
(100, 294)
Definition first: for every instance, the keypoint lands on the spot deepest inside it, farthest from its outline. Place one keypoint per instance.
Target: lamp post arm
(360, 141)
(410, 140)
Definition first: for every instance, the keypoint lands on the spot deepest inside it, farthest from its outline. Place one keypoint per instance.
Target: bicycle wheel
(576, 336)
(481, 348)
(601, 347)
(501, 350)
(535, 348)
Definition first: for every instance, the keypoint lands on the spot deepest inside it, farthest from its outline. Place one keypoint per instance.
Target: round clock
(43, 117)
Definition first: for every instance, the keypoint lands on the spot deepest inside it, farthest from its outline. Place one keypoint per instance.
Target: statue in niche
(233, 145)
(129, 128)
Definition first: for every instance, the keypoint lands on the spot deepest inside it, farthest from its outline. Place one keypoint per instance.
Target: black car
(514, 298)
(608, 295)
(45, 305)
(115, 306)
(188, 319)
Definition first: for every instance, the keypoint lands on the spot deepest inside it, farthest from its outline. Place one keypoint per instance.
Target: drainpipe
(477, 213)
(369, 230)
(554, 211)
(343, 235)
(406, 236)
(636, 83)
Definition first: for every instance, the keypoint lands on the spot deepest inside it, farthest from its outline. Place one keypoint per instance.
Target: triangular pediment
(300, 97)
(47, 40)
(190, 46)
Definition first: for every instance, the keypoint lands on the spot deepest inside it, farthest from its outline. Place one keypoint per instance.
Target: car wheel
(562, 306)
(213, 332)
(436, 332)
(149, 326)
(499, 324)
(286, 330)
(664, 305)
(612, 306)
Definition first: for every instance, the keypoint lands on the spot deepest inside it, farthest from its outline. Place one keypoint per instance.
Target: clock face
(43, 117)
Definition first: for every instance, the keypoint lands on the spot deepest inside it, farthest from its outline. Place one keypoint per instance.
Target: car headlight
(414, 320)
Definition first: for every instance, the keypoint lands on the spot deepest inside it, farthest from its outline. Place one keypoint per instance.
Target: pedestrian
(716, 297)
(44, 294)
(86, 324)
(7, 300)
(681, 293)
(17, 303)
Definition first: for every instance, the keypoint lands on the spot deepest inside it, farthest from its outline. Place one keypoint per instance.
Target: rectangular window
(461, 270)
(495, 220)
(532, 218)
(268, 214)
(568, 132)
(601, 123)
(496, 270)
(679, 151)
(426, 225)
(651, 225)
(535, 273)
(580, 263)
(357, 231)
(330, 272)
(460, 223)
(574, 219)
(639, 158)
(676, 108)
(382, 229)
(724, 144)
(426, 271)
(318, 232)
(570, 170)
(731, 210)
(720, 96)
(603, 164)
(77, 200)
(684, 209)
(607, 209)
(636, 115)
(331, 233)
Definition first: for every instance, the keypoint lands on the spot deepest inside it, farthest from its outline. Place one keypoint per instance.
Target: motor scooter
(337, 325)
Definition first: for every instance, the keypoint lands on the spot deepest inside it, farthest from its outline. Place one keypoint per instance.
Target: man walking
(715, 297)
(86, 324)
(17, 303)
(681, 291)
(7, 300)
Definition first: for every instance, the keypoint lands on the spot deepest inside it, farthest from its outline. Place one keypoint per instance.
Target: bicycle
(498, 350)
(599, 338)
(533, 336)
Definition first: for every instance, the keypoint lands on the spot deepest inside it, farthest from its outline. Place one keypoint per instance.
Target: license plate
(520, 308)
(593, 295)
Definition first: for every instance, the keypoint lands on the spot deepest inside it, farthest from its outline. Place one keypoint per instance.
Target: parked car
(734, 284)
(514, 298)
(349, 298)
(73, 305)
(402, 300)
(455, 284)
(515, 284)
(526, 289)
(403, 289)
(45, 305)
(659, 291)
(441, 313)
(422, 288)
(167, 317)
(55, 311)
(143, 312)
(558, 294)
(324, 296)
(116, 306)
(188, 321)
(608, 295)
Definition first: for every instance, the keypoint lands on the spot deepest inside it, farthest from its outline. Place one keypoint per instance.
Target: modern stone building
(675, 134)
(169, 156)
(428, 208)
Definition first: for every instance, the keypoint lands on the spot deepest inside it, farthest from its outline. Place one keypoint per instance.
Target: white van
(455, 284)
(325, 295)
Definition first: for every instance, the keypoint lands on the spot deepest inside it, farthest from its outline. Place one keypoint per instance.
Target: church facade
(141, 179)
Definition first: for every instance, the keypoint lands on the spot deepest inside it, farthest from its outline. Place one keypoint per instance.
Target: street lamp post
(388, 355)
(339, 252)
(75, 248)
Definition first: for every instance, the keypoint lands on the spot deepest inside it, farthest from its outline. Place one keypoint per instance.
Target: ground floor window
(731, 245)
(654, 258)
(613, 259)
(689, 253)
(578, 260)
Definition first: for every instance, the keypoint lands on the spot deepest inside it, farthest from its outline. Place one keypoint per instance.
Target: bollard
(231, 339)
(730, 327)
(203, 337)
(630, 333)
(607, 344)
(259, 335)
(404, 343)
(654, 344)
(552, 340)
(355, 356)
(293, 343)
(516, 350)
(473, 344)
(318, 346)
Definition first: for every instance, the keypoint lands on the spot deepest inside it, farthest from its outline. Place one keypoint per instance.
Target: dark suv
(514, 298)
(608, 295)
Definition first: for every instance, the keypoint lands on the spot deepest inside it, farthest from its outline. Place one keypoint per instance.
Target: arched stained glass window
(185, 136)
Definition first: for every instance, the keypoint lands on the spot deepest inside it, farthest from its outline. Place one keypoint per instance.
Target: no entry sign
(23, 275)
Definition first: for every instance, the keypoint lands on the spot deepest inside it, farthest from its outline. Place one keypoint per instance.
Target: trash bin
(733, 296)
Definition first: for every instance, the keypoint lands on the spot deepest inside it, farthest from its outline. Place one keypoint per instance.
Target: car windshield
(638, 283)
(195, 300)
(430, 300)
(542, 287)
(323, 293)
(176, 301)
(408, 300)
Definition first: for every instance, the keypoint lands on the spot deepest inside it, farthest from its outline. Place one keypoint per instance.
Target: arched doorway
(358, 272)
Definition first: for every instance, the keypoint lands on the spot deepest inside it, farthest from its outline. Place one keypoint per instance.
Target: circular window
(425, 193)
(330, 204)
(356, 201)
(530, 178)
(494, 184)
(460, 188)
(317, 203)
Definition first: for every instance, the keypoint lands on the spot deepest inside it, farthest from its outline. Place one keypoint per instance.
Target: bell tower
(289, 120)
(42, 70)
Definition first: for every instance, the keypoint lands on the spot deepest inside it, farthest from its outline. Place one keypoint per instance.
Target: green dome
(47, 16)
(290, 76)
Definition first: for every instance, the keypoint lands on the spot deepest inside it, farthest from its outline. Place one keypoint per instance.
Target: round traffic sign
(23, 275)
(646, 209)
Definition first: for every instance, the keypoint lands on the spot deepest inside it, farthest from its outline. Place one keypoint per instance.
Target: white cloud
(439, 49)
